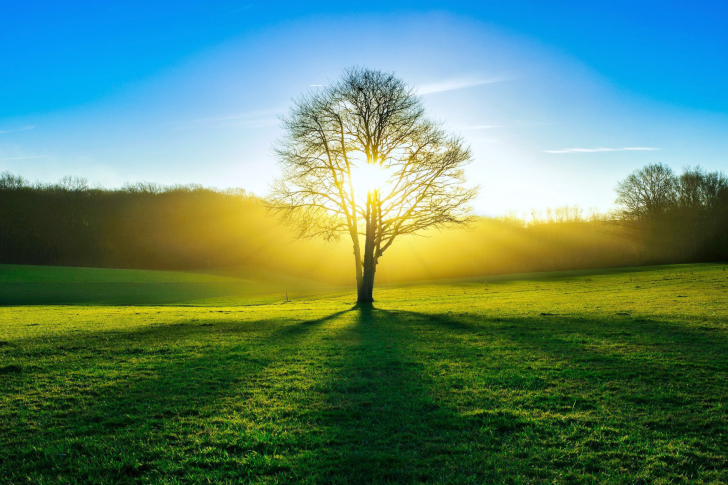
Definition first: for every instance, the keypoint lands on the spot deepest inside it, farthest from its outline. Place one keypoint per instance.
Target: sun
(368, 177)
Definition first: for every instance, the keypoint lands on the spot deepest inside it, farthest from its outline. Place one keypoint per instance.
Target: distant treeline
(143, 225)
(664, 218)
(681, 218)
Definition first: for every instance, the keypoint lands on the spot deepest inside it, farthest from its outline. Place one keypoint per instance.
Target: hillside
(58, 285)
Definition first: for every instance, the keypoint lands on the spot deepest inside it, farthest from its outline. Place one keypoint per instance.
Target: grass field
(617, 376)
(58, 285)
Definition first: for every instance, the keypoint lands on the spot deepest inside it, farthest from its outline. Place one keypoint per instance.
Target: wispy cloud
(456, 83)
(481, 127)
(25, 128)
(601, 149)
(23, 158)
(248, 115)
(249, 119)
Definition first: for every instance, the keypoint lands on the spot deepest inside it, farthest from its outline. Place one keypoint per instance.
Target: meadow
(123, 376)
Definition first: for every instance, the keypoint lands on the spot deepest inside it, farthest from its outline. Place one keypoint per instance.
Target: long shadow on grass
(646, 357)
(660, 383)
(370, 395)
(452, 398)
(382, 422)
(620, 341)
(118, 405)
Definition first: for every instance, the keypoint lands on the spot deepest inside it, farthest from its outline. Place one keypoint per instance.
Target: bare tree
(368, 121)
(649, 192)
(9, 181)
(700, 190)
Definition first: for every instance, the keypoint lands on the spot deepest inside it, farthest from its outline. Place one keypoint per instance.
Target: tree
(360, 157)
(649, 192)
(9, 181)
(698, 190)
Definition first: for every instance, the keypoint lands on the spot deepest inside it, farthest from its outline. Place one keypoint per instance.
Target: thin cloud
(25, 128)
(252, 123)
(601, 149)
(250, 119)
(455, 83)
(249, 115)
(482, 127)
(23, 158)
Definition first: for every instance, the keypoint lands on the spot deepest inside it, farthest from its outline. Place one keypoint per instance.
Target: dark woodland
(663, 218)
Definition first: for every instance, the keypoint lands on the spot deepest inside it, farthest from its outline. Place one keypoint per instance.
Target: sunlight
(368, 177)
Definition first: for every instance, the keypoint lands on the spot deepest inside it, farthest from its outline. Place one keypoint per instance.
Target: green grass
(580, 377)
(59, 285)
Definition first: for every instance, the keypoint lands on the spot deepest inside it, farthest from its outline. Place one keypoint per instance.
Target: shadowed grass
(60, 285)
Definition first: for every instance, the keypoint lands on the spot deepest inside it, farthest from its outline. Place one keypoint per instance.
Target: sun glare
(368, 177)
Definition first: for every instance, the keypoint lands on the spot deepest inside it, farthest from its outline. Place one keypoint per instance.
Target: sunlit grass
(582, 377)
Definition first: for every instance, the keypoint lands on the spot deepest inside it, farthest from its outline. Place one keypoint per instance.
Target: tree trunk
(365, 289)
(357, 262)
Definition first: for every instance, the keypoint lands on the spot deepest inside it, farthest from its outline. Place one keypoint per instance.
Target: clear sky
(559, 100)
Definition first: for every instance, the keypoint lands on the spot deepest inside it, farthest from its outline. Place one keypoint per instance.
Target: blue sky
(559, 100)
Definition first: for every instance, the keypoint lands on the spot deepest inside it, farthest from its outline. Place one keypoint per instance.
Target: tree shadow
(367, 395)
(422, 397)
(102, 391)
(622, 336)
(659, 381)
(382, 421)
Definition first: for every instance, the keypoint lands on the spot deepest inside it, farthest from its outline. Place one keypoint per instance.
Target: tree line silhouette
(681, 217)
(141, 225)
(663, 217)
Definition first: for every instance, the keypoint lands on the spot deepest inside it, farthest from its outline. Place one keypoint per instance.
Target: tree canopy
(369, 120)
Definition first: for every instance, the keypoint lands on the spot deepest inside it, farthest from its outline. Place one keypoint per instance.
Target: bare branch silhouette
(368, 118)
